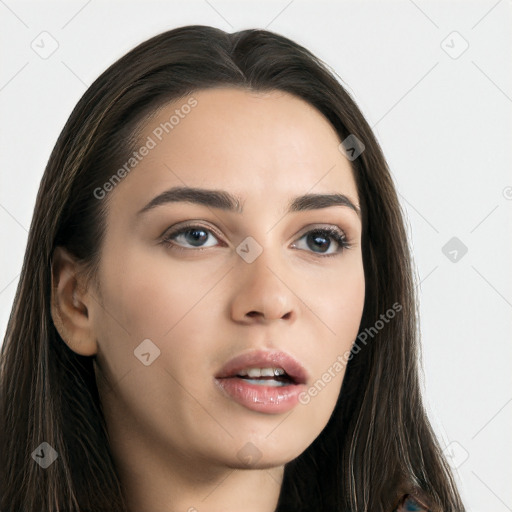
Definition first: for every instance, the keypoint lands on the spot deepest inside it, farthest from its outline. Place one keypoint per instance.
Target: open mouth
(263, 381)
(274, 377)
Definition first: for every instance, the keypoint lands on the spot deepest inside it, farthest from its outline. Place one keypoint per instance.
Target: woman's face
(262, 281)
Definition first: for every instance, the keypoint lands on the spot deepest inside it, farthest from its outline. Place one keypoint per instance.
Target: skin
(175, 438)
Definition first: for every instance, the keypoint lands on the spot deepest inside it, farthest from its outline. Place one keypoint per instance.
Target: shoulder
(410, 503)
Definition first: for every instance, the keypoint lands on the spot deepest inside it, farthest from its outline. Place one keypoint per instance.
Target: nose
(263, 291)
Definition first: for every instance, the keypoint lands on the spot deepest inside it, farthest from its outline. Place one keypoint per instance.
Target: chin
(261, 464)
(262, 453)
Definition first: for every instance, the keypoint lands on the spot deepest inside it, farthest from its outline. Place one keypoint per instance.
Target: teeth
(272, 383)
(261, 372)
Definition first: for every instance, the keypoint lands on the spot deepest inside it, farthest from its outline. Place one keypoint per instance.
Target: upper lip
(265, 359)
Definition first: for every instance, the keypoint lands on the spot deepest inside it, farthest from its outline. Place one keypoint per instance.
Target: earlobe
(70, 304)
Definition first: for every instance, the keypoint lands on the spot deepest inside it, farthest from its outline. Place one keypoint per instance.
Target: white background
(445, 127)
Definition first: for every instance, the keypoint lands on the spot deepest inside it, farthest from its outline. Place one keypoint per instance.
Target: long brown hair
(378, 444)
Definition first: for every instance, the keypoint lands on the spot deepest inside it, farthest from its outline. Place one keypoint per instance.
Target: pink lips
(261, 398)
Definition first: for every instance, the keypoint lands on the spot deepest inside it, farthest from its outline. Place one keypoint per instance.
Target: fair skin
(175, 438)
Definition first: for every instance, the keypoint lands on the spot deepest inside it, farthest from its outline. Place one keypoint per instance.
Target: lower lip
(266, 399)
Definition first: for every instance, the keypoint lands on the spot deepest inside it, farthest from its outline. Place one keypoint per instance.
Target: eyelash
(336, 234)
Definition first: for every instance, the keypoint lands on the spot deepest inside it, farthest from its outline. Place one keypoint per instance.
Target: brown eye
(321, 238)
(196, 236)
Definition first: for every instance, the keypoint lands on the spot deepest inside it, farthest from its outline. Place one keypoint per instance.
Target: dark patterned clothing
(411, 503)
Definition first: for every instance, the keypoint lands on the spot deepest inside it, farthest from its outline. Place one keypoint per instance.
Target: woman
(268, 361)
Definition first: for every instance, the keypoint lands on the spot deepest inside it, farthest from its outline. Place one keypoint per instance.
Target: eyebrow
(224, 200)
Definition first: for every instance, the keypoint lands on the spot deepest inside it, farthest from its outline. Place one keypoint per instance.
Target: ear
(70, 304)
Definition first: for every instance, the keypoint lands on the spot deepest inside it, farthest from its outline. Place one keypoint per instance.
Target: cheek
(342, 304)
(148, 293)
(341, 308)
(152, 298)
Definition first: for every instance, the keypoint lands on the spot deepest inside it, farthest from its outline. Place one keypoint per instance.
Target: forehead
(263, 145)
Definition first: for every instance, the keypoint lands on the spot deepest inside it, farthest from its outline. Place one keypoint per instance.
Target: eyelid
(319, 225)
(344, 241)
(182, 226)
(193, 224)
